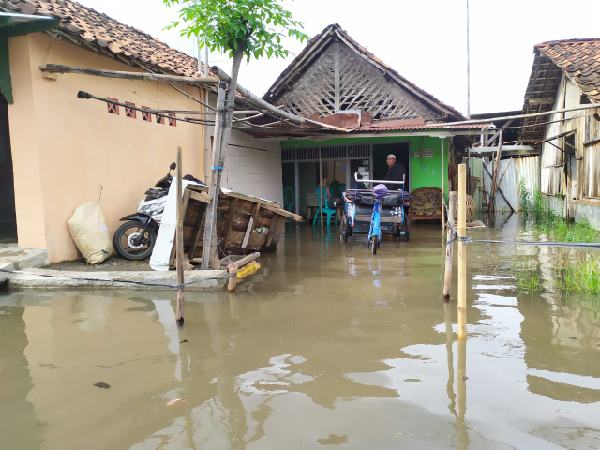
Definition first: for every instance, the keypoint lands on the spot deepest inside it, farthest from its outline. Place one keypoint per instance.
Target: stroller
(375, 211)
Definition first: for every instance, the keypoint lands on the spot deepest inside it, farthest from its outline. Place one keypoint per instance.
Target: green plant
(582, 277)
(527, 275)
(524, 198)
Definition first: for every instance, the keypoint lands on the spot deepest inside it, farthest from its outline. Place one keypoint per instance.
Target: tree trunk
(225, 136)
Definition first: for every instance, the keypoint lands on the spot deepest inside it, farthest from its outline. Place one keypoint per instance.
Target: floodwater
(328, 348)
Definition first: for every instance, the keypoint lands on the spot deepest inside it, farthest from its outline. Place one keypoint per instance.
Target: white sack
(90, 233)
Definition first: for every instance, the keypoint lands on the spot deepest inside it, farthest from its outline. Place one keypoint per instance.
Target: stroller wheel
(345, 230)
(374, 244)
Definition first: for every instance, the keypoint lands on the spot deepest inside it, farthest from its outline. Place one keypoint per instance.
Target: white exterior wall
(252, 166)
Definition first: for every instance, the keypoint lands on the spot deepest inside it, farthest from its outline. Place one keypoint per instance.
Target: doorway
(400, 150)
(8, 221)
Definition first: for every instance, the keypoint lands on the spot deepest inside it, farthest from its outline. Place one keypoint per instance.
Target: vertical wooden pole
(443, 188)
(492, 198)
(215, 185)
(450, 234)
(179, 265)
(462, 252)
(449, 358)
(321, 193)
(461, 391)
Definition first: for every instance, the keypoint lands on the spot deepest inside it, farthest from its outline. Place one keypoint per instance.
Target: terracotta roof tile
(579, 59)
(87, 26)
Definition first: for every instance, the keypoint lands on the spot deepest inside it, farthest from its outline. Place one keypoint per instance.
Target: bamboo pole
(450, 234)
(462, 252)
(179, 241)
(145, 76)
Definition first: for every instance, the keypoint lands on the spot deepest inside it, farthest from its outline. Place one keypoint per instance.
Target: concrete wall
(66, 150)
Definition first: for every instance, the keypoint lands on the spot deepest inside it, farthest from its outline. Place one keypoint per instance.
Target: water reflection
(334, 348)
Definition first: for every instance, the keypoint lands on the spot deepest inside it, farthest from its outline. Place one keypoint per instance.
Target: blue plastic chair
(324, 209)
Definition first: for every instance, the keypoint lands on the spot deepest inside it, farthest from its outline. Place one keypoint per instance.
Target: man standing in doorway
(395, 172)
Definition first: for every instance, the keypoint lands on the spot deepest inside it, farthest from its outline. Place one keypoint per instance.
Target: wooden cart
(245, 224)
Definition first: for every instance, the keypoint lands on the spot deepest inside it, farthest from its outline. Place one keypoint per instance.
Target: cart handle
(364, 180)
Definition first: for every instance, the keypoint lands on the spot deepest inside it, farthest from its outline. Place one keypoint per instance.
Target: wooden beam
(144, 76)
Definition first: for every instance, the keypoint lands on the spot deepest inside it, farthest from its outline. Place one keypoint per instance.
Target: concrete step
(13, 257)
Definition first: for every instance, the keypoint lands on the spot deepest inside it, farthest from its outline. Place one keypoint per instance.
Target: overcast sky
(424, 40)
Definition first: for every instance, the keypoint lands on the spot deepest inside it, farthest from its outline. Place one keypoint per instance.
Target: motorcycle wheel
(123, 241)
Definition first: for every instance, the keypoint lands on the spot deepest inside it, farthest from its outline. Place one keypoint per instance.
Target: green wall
(425, 167)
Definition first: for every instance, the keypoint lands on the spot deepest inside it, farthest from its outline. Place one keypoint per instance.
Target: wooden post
(492, 198)
(461, 391)
(450, 234)
(443, 189)
(179, 264)
(210, 219)
(235, 266)
(449, 357)
(462, 252)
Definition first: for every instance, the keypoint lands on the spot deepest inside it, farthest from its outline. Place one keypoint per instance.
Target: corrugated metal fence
(511, 171)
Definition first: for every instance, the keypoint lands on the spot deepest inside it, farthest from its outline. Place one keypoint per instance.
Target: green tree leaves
(254, 26)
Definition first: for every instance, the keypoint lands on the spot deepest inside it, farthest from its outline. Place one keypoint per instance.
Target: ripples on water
(329, 347)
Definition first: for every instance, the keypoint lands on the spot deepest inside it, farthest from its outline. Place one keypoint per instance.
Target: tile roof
(579, 59)
(335, 32)
(92, 29)
(408, 124)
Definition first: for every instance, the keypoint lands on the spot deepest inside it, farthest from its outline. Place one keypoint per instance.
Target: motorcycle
(134, 240)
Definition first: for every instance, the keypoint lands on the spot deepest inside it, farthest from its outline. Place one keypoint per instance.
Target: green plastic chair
(288, 198)
(324, 209)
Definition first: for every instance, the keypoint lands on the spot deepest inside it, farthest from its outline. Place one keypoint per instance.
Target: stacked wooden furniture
(245, 224)
(426, 204)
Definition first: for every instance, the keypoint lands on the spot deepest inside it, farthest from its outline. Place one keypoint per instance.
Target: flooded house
(58, 151)
(339, 82)
(566, 75)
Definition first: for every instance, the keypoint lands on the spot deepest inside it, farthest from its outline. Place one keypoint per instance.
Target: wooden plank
(179, 240)
(199, 196)
(196, 233)
(232, 212)
(250, 225)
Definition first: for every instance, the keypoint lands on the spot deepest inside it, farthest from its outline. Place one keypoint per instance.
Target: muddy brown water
(328, 348)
